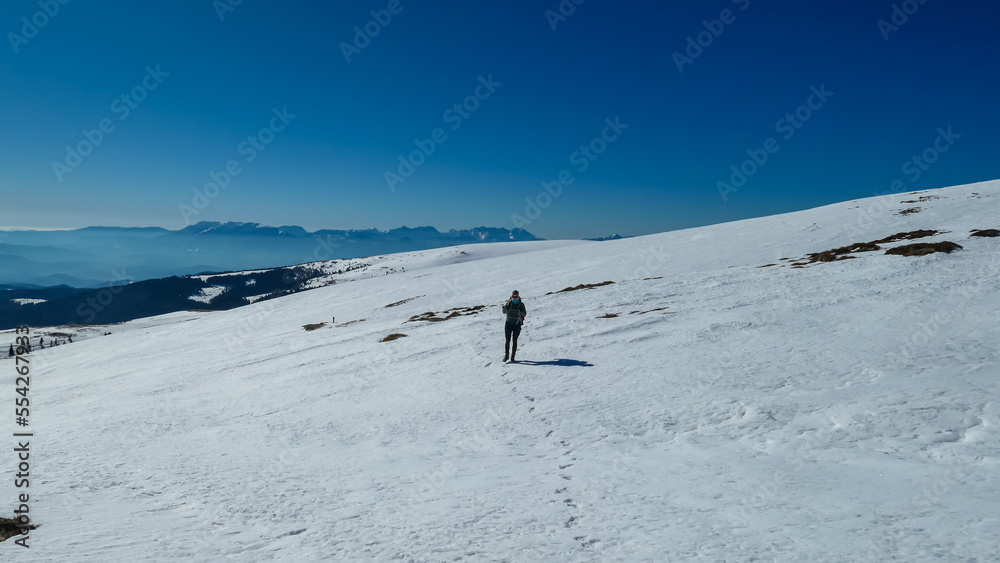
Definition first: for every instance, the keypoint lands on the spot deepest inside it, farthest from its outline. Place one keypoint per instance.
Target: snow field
(845, 411)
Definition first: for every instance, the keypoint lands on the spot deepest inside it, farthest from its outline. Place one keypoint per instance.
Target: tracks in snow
(563, 459)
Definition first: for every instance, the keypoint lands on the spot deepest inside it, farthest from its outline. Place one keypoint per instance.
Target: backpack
(518, 310)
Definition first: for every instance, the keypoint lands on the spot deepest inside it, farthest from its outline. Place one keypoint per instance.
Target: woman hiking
(515, 311)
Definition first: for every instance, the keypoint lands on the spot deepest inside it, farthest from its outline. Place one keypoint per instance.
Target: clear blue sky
(219, 81)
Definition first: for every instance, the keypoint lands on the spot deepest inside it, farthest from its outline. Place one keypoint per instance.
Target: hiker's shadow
(559, 362)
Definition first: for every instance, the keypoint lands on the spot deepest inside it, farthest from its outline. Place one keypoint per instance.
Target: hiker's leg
(507, 330)
(513, 350)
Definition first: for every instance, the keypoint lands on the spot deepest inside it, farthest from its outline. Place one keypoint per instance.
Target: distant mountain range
(102, 256)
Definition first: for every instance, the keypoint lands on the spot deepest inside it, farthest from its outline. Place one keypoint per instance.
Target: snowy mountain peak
(238, 228)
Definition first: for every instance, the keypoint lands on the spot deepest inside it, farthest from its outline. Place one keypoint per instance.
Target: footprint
(562, 490)
(565, 466)
(571, 522)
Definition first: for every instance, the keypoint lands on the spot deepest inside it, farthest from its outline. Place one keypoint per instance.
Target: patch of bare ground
(909, 210)
(449, 314)
(922, 233)
(398, 303)
(835, 254)
(311, 327)
(656, 278)
(392, 337)
(844, 252)
(650, 311)
(921, 199)
(767, 265)
(349, 323)
(9, 528)
(608, 316)
(924, 248)
(581, 286)
(985, 233)
(200, 310)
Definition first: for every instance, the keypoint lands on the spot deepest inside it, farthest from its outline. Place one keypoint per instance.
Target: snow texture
(700, 408)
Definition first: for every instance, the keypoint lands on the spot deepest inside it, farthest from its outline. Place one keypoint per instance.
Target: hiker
(515, 311)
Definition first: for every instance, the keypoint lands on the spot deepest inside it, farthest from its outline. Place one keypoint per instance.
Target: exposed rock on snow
(924, 248)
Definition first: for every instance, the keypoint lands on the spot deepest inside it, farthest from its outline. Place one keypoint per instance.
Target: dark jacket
(514, 311)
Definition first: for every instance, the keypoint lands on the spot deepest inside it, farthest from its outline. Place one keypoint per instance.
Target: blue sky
(209, 85)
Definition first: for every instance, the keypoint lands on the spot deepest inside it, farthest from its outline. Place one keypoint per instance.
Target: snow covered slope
(699, 408)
